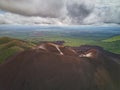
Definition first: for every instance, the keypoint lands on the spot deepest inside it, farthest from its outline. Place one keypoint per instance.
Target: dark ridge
(87, 47)
(55, 42)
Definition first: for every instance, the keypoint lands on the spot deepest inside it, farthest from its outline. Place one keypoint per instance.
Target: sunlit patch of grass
(112, 39)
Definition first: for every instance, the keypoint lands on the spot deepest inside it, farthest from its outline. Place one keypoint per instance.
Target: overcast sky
(60, 12)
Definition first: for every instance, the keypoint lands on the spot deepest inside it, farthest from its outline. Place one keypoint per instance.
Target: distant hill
(112, 39)
(11, 46)
(112, 44)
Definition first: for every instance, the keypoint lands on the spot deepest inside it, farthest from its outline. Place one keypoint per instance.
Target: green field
(112, 39)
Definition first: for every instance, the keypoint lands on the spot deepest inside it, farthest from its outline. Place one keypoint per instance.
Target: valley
(16, 39)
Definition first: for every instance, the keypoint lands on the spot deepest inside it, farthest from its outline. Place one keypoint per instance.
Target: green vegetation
(112, 39)
(110, 46)
(10, 46)
(71, 41)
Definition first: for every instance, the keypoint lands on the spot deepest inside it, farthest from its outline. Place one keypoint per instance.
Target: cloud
(43, 8)
(60, 11)
(104, 14)
(46, 8)
(78, 11)
(10, 18)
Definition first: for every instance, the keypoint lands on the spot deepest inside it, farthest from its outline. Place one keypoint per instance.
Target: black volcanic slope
(46, 69)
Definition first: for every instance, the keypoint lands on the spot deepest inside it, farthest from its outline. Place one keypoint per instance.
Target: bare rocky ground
(56, 67)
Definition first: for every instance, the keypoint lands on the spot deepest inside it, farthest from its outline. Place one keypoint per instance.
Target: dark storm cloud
(78, 12)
